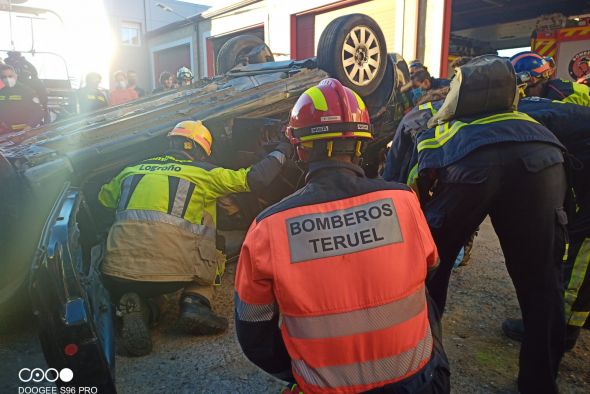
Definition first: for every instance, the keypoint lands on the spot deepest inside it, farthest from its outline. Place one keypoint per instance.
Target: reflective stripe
(429, 106)
(254, 312)
(361, 134)
(180, 197)
(162, 217)
(19, 126)
(15, 97)
(318, 99)
(368, 372)
(443, 133)
(577, 278)
(125, 192)
(412, 175)
(356, 322)
(359, 101)
(578, 319)
(280, 156)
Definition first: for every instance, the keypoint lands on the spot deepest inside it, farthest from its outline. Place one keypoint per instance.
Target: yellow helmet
(194, 131)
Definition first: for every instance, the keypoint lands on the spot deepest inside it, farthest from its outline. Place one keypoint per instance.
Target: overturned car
(53, 230)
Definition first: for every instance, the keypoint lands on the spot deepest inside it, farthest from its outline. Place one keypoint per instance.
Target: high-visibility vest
(171, 190)
(568, 91)
(347, 276)
(450, 141)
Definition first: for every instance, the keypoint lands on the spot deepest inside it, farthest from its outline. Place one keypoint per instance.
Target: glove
(285, 148)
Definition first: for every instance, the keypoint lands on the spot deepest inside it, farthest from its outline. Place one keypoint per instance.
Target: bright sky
(83, 39)
(512, 52)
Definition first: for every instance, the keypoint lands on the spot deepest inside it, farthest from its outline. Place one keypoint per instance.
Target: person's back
(344, 261)
(480, 157)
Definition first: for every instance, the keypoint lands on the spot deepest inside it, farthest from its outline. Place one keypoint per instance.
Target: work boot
(135, 333)
(197, 318)
(514, 329)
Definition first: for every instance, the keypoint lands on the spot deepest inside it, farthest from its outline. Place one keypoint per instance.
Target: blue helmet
(532, 64)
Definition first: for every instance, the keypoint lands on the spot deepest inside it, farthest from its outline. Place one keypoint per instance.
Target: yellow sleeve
(109, 193)
(580, 96)
(224, 181)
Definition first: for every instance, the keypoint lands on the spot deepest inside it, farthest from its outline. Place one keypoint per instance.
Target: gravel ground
(482, 360)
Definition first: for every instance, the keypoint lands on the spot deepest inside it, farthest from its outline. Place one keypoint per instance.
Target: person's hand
(285, 148)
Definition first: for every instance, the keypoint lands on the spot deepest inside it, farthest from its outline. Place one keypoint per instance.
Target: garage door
(171, 59)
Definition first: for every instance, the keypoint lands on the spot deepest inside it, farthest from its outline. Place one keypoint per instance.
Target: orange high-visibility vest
(347, 277)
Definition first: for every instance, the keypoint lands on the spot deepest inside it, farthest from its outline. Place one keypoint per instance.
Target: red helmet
(328, 112)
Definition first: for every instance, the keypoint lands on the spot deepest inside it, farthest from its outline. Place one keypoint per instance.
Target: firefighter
(422, 82)
(184, 77)
(481, 157)
(534, 73)
(91, 97)
(321, 259)
(20, 108)
(28, 76)
(164, 234)
(569, 123)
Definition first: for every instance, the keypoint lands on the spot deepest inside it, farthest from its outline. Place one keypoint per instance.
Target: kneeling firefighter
(343, 262)
(163, 238)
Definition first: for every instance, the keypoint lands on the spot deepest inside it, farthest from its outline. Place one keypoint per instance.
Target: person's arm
(224, 181)
(109, 193)
(428, 245)
(256, 310)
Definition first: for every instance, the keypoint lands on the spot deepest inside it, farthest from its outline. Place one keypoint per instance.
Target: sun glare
(75, 36)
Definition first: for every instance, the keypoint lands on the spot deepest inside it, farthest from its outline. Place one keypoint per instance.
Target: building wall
(398, 20)
(148, 17)
(413, 28)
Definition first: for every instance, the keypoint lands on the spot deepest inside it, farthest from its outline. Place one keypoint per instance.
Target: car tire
(238, 50)
(352, 49)
(378, 101)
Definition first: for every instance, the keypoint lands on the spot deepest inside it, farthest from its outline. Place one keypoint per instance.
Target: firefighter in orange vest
(343, 261)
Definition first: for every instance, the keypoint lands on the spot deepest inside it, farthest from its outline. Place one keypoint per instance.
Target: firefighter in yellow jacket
(163, 238)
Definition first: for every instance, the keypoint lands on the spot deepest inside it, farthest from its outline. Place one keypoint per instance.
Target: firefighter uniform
(504, 164)
(569, 123)
(90, 99)
(19, 108)
(166, 214)
(401, 164)
(350, 320)
(322, 257)
(568, 92)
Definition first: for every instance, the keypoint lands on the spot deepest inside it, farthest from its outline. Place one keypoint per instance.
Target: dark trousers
(522, 188)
